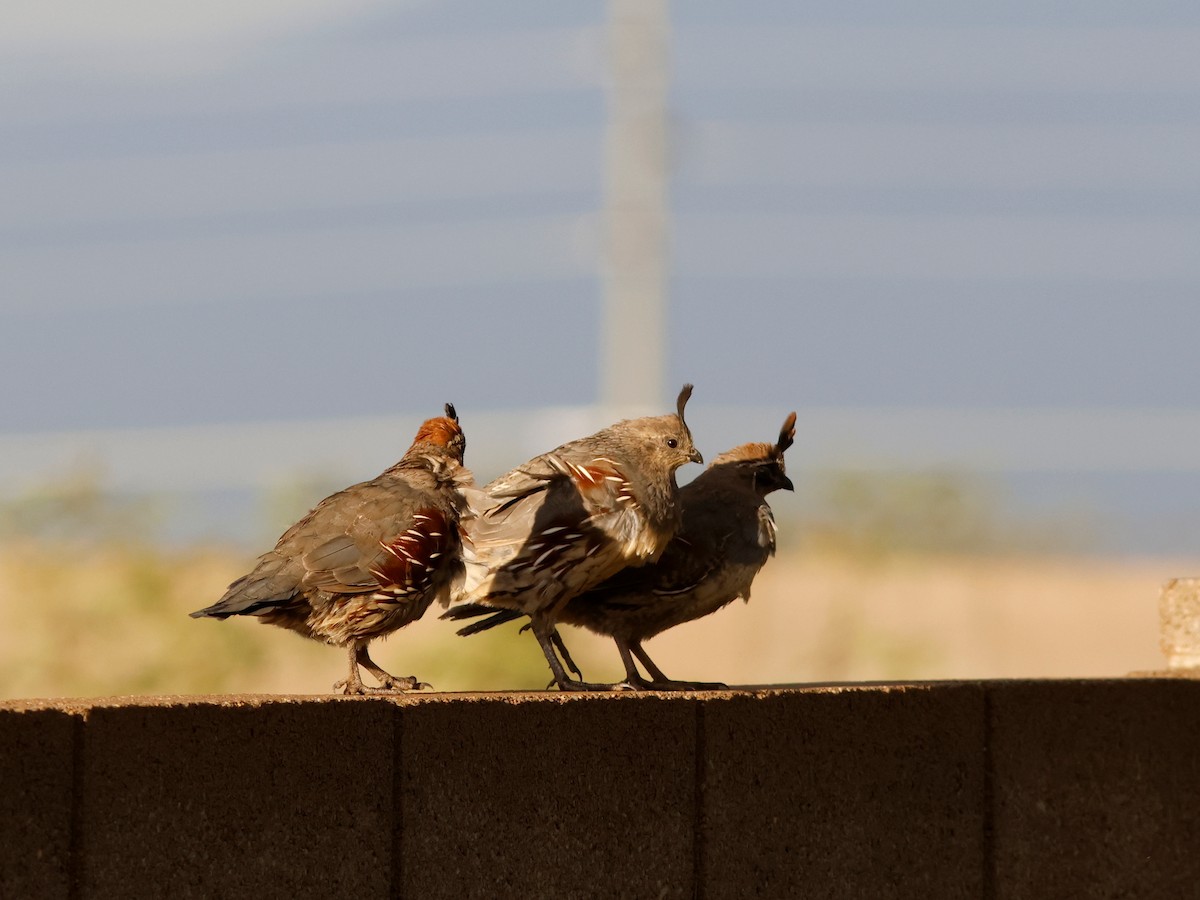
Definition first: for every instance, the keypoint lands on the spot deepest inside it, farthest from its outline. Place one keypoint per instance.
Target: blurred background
(245, 247)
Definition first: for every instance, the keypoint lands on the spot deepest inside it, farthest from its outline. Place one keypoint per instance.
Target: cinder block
(36, 779)
(548, 795)
(238, 799)
(1179, 623)
(1096, 786)
(844, 792)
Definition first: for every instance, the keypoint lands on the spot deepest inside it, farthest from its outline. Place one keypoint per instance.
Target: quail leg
(565, 654)
(657, 681)
(387, 682)
(352, 683)
(545, 633)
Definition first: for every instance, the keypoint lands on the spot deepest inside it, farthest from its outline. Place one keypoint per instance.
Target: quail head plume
(566, 520)
(367, 560)
(727, 535)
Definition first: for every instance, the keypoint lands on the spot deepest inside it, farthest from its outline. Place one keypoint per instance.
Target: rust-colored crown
(762, 451)
(754, 452)
(441, 430)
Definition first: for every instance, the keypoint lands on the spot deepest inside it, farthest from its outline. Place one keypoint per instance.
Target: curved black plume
(684, 394)
(787, 434)
(450, 412)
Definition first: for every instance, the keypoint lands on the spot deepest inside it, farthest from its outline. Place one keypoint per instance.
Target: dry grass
(100, 621)
(817, 618)
(115, 621)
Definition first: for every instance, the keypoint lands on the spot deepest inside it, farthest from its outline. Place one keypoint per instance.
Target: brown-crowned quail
(367, 560)
(727, 535)
(567, 520)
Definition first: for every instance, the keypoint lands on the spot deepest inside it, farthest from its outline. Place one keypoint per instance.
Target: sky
(305, 211)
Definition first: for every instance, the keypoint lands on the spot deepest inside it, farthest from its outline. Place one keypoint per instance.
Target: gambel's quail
(727, 535)
(367, 560)
(566, 520)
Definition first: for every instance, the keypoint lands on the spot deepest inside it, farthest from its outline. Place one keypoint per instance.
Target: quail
(565, 521)
(367, 560)
(727, 535)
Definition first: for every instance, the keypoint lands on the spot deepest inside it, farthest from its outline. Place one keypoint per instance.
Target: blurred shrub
(874, 514)
(77, 508)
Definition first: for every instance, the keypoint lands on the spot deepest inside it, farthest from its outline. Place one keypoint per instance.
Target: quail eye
(672, 443)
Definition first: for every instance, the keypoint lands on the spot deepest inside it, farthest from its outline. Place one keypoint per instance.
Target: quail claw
(394, 684)
(350, 686)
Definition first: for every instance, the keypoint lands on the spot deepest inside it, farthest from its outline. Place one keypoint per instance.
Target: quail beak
(785, 483)
(696, 457)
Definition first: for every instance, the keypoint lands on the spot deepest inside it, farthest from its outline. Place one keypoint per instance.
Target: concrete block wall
(942, 790)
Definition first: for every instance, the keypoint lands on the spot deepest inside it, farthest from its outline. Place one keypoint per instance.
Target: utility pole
(635, 228)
